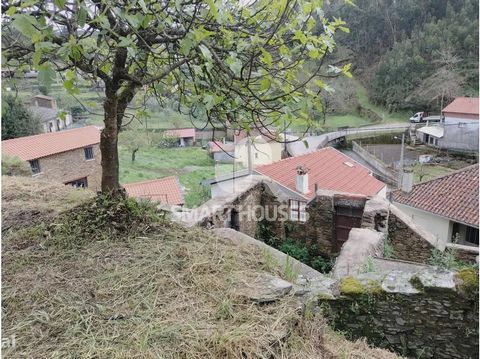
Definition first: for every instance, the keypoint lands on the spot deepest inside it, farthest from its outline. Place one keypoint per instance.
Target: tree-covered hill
(413, 55)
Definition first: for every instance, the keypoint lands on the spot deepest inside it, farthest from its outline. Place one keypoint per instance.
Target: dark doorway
(234, 220)
(79, 183)
(346, 218)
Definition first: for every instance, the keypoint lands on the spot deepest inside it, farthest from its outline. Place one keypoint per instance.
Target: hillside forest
(411, 55)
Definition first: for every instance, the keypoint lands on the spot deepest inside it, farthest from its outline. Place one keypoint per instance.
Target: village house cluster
(292, 175)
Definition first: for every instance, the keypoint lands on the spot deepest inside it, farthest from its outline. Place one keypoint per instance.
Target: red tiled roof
(329, 168)
(181, 132)
(453, 196)
(464, 105)
(216, 146)
(47, 144)
(165, 190)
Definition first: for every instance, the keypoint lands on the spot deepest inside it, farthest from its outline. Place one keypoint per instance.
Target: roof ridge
(294, 157)
(152, 180)
(50, 133)
(316, 151)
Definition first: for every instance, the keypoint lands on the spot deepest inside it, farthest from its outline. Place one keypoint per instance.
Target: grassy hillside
(192, 165)
(118, 286)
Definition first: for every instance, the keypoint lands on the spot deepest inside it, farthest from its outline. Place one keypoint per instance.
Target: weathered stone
(399, 282)
(436, 279)
(264, 288)
(362, 243)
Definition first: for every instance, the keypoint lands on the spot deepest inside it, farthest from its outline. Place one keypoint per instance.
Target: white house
(458, 129)
(446, 206)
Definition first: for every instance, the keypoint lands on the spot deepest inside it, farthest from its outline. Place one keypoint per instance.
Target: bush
(17, 121)
(295, 250)
(14, 166)
(104, 218)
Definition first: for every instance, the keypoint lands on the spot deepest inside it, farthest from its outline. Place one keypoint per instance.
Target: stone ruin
(399, 303)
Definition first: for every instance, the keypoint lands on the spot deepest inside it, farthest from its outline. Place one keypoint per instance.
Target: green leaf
(46, 75)
(82, 17)
(305, 142)
(24, 24)
(265, 83)
(59, 3)
(12, 10)
(206, 52)
(236, 66)
(266, 58)
(125, 42)
(213, 8)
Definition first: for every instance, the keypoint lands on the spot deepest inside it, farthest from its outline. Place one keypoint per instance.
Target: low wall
(409, 242)
(430, 314)
(375, 162)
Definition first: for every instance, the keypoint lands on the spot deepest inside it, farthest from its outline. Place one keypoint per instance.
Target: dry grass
(27, 201)
(173, 294)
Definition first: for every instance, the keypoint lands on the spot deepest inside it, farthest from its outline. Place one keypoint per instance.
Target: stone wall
(430, 314)
(318, 230)
(409, 242)
(72, 165)
(246, 204)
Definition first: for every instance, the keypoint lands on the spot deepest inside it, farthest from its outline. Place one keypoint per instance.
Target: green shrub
(103, 218)
(296, 250)
(14, 166)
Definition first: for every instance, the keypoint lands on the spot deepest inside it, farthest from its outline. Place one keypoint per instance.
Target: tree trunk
(108, 145)
(134, 152)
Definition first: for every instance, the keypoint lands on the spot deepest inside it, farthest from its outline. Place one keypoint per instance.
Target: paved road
(316, 142)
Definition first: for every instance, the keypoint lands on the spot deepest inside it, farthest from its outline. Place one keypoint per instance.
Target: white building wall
(440, 227)
(460, 133)
(262, 153)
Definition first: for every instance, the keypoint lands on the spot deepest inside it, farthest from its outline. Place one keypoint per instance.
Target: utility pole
(401, 158)
(249, 154)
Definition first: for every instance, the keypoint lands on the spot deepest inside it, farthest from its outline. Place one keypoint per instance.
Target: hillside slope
(167, 293)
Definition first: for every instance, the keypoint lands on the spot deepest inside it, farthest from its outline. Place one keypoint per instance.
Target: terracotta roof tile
(181, 132)
(47, 144)
(453, 196)
(329, 168)
(165, 190)
(464, 105)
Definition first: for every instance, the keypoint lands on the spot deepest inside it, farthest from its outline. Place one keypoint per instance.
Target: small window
(88, 153)
(298, 211)
(471, 235)
(35, 166)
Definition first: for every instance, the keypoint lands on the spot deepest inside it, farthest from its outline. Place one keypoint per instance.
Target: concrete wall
(72, 165)
(440, 227)
(376, 163)
(428, 314)
(460, 134)
(222, 157)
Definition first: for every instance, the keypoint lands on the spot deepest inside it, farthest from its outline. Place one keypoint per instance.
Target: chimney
(301, 180)
(407, 180)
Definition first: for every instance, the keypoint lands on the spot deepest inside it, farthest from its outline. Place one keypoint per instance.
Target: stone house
(71, 157)
(299, 177)
(164, 190)
(458, 129)
(446, 206)
(45, 109)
